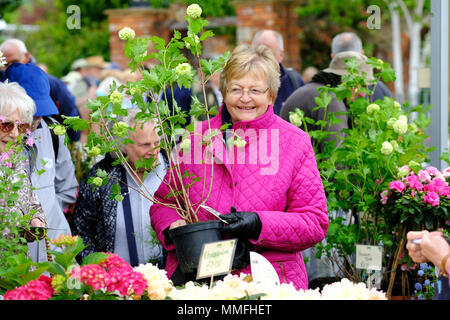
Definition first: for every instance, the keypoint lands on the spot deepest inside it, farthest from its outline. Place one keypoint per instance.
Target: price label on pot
(216, 258)
(369, 257)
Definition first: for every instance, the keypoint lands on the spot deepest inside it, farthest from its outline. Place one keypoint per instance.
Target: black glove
(242, 224)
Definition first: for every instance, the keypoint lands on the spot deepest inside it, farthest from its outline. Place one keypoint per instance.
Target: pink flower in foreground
(435, 185)
(38, 289)
(93, 275)
(432, 198)
(397, 185)
(432, 170)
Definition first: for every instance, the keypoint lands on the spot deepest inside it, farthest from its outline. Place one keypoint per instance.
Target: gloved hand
(242, 224)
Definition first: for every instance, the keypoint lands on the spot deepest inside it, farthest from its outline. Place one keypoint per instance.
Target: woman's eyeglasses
(7, 127)
(239, 92)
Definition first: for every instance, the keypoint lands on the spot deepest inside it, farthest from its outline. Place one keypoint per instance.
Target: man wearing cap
(57, 185)
(349, 41)
(15, 50)
(304, 97)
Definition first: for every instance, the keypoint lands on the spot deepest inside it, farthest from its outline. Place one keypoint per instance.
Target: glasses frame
(8, 126)
(248, 92)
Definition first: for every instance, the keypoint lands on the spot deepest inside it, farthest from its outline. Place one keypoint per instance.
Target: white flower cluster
(194, 11)
(126, 34)
(236, 287)
(159, 286)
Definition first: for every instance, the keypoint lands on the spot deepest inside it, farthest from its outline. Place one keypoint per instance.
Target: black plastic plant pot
(189, 240)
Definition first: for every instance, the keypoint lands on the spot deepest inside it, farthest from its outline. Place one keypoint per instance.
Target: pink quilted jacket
(274, 175)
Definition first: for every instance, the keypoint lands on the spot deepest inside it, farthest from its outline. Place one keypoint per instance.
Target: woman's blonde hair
(258, 61)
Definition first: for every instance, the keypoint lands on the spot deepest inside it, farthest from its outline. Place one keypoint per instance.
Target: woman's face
(247, 98)
(5, 137)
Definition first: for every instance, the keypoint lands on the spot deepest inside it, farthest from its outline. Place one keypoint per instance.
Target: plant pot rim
(194, 227)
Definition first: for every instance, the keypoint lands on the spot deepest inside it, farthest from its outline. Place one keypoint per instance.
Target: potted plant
(157, 84)
(360, 162)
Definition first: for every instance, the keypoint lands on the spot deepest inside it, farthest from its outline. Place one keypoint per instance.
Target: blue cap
(35, 82)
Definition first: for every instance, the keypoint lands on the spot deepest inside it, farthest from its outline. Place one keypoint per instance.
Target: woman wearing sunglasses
(16, 115)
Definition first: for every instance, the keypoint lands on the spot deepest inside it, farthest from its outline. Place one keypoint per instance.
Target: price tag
(262, 269)
(369, 257)
(216, 258)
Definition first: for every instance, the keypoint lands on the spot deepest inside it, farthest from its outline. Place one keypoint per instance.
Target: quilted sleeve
(305, 221)
(161, 216)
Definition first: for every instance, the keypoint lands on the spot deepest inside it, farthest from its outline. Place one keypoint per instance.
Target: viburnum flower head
(59, 130)
(400, 126)
(97, 181)
(183, 69)
(372, 108)
(126, 34)
(387, 148)
(120, 129)
(194, 11)
(116, 97)
(239, 142)
(397, 105)
(94, 151)
(295, 119)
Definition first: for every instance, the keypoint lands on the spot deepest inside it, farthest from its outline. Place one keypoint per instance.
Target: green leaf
(95, 258)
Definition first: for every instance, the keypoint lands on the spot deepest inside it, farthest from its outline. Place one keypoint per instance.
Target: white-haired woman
(122, 227)
(16, 115)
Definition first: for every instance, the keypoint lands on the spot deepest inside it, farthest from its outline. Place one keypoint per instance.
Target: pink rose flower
(424, 176)
(38, 289)
(384, 196)
(397, 185)
(432, 171)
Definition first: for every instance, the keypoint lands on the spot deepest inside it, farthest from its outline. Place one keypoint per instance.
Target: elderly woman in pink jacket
(265, 179)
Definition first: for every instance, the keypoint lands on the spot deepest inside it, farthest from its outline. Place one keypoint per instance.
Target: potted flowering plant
(153, 94)
(418, 199)
(357, 164)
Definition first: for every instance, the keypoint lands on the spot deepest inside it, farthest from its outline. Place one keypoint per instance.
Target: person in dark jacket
(123, 228)
(290, 80)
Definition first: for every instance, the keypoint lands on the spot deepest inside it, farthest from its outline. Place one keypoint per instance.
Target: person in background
(289, 78)
(309, 73)
(53, 172)
(349, 41)
(274, 206)
(103, 222)
(433, 248)
(16, 117)
(15, 50)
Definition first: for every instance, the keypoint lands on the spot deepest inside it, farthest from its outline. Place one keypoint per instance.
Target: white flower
(400, 126)
(59, 130)
(194, 11)
(390, 123)
(120, 129)
(397, 105)
(295, 119)
(372, 108)
(2, 60)
(183, 69)
(403, 118)
(127, 34)
(159, 286)
(386, 148)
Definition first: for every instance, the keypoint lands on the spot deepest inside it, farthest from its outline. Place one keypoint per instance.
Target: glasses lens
(6, 126)
(23, 127)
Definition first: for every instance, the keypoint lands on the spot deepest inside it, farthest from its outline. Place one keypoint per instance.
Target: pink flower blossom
(30, 141)
(38, 289)
(446, 172)
(397, 185)
(432, 198)
(93, 275)
(424, 176)
(414, 183)
(432, 171)
(435, 185)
